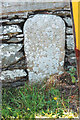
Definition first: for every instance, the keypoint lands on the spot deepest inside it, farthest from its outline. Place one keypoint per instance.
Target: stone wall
(14, 15)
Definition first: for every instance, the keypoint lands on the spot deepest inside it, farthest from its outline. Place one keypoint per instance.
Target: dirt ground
(67, 89)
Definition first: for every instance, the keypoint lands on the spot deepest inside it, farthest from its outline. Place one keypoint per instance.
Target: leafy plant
(72, 72)
(30, 101)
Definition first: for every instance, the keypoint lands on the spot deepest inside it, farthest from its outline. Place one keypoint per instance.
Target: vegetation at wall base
(35, 101)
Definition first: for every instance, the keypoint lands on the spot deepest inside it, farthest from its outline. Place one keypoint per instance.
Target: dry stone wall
(14, 67)
(14, 64)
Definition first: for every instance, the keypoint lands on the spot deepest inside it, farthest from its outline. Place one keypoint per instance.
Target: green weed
(31, 100)
(72, 72)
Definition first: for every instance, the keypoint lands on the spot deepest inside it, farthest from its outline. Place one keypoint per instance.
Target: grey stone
(23, 15)
(31, 13)
(3, 21)
(68, 7)
(44, 42)
(68, 20)
(69, 31)
(70, 42)
(32, 6)
(20, 82)
(70, 67)
(4, 37)
(19, 15)
(10, 54)
(15, 21)
(62, 13)
(15, 40)
(1, 30)
(71, 55)
(72, 60)
(20, 36)
(1, 37)
(3, 16)
(12, 76)
(11, 29)
(11, 16)
(30, 16)
(21, 64)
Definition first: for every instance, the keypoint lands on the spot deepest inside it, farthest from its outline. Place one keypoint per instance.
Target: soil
(67, 89)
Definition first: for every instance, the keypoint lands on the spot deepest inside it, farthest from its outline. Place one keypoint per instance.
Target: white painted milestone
(44, 46)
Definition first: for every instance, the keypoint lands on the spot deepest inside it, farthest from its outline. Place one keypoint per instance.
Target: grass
(33, 101)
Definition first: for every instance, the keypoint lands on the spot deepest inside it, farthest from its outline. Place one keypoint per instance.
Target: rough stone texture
(62, 13)
(69, 31)
(15, 13)
(20, 36)
(15, 40)
(68, 21)
(70, 42)
(10, 54)
(12, 76)
(15, 21)
(44, 46)
(4, 37)
(19, 82)
(72, 60)
(21, 64)
(3, 21)
(11, 29)
(9, 7)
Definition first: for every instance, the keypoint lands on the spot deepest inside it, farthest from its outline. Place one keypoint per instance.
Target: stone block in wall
(3, 16)
(63, 13)
(72, 54)
(69, 31)
(14, 40)
(21, 15)
(10, 29)
(4, 21)
(32, 6)
(4, 37)
(72, 60)
(11, 76)
(20, 36)
(44, 46)
(70, 42)
(21, 64)
(20, 82)
(16, 21)
(68, 21)
(10, 54)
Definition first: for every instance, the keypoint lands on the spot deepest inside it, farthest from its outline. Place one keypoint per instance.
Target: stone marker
(44, 46)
